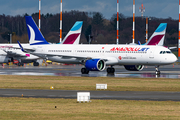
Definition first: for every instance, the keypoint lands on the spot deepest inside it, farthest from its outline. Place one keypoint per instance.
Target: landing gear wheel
(20, 64)
(35, 64)
(110, 70)
(158, 72)
(84, 71)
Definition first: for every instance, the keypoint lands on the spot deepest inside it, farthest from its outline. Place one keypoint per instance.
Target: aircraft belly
(62, 60)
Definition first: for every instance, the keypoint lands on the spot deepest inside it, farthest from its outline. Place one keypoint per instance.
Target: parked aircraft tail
(73, 36)
(35, 36)
(158, 36)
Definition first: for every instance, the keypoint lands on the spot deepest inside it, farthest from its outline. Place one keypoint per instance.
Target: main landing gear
(35, 64)
(84, 71)
(110, 70)
(157, 70)
(20, 64)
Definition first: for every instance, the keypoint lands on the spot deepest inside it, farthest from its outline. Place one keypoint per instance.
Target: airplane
(97, 57)
(9, 52)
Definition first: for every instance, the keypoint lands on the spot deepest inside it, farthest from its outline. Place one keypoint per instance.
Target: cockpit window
(168, 52)
(165, 52)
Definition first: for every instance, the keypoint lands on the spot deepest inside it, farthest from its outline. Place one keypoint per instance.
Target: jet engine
(134, 67)
(95, 65)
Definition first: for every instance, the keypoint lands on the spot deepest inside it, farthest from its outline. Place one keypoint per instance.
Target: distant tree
(26, 14)
(94, 24)
(88, 33)
(172, 31)
(97, 19)
(6, 35)
(114, 21)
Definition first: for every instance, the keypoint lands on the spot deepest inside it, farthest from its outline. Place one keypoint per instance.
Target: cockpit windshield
(165, 52)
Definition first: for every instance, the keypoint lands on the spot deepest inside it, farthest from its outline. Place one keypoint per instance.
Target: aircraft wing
(27, 50)
(62, 56)
(80, 58)
(14, 54)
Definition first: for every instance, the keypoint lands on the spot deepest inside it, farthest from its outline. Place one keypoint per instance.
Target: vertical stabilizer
(35, 36)
(158, 36)
(73, 36)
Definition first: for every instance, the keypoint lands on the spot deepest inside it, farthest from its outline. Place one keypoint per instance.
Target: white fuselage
(10, 50)
(111, 54)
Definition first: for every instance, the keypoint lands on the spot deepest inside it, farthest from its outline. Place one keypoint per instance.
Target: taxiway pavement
(70, 94)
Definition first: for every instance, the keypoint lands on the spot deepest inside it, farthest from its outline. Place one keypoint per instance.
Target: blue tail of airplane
(35, 36)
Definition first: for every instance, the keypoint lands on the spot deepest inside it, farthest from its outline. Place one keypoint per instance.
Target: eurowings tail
(73, 36)
(158, 36)
(36, 37)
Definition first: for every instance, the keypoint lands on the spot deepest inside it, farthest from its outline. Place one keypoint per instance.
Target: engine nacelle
(95, 65)
(134, 67)
(4, 59)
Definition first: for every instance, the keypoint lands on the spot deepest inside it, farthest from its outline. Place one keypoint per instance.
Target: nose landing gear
(157, 70)
(84, 71)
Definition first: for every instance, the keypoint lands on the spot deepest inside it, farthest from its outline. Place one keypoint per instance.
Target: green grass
(89, 83)
(68, 109)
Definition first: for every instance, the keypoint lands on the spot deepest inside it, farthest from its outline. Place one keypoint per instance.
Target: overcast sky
(154, 8)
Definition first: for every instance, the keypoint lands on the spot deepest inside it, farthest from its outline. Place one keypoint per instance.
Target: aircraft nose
(174, 58)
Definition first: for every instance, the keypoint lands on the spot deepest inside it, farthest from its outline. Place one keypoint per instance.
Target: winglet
(35, 35)
(20, 46)
(73, 36)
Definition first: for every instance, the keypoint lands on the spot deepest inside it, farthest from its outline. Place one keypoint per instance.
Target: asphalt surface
(99, 94)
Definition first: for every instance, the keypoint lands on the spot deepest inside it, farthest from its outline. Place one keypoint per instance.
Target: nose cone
(173, 58)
